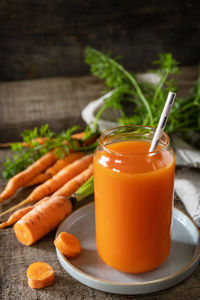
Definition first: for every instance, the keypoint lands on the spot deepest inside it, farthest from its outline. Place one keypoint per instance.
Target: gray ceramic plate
(89, 269)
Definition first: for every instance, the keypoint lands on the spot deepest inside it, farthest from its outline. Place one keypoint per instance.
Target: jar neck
(132, 133)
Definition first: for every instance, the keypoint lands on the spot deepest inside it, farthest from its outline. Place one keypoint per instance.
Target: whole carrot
(42, 219)
(23, 177)
(56, 182)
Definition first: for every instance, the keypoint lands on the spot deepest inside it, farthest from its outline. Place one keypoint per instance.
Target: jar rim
(106, 133)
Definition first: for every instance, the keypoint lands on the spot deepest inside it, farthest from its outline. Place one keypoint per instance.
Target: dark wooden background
(40, 38)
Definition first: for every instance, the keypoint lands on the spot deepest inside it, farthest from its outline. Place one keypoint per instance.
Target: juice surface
(133, 205)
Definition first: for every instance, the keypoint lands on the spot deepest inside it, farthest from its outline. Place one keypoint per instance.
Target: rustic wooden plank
(56, 101)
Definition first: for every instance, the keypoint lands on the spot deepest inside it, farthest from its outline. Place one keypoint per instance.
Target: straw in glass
(163, 120)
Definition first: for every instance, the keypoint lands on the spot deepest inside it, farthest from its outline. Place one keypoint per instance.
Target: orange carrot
(41, 201)
(57, 181)
(42, 283)
(75, 183)
(40, 178)
(78, 136)
(24, 144)
(75, 136)
(41, 141)
(16, 216)
(61, 163)
(40, 274)
(42, 219)
(23, 177)
(67, 190)
(51, 171)
(68, 244)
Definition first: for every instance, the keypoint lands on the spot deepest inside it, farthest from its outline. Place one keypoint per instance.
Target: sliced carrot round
(68, 244)
(24, 233)
(40, 274)
(40, 285)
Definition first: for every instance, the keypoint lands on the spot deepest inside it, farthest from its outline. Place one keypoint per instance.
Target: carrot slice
(39, 285)
(40, 274)
(68, 244)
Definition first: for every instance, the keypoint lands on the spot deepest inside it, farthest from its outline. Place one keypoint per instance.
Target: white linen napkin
(187, 179)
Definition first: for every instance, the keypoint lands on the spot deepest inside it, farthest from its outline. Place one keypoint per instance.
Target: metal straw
(163, 120)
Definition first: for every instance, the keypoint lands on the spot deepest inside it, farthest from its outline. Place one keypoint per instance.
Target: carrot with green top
(56, 182)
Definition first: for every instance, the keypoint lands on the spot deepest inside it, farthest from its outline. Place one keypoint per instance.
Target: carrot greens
(21, 157)
(145, 100)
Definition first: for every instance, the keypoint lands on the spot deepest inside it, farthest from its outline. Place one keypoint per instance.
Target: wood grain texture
(30, 102)
(42, 38)
(56, 101)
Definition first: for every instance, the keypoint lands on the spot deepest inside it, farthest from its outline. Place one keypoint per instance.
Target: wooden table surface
(59, 102)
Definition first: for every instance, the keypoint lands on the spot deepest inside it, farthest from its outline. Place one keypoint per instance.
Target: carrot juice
(133, 199)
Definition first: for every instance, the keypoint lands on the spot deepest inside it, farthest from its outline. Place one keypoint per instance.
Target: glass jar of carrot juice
(133, 198)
